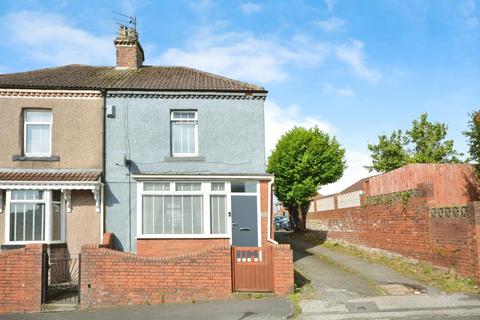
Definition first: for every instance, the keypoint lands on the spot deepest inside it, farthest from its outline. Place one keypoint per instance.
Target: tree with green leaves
(425, 142)
(389, 153)
(304, 160)
(473, 136)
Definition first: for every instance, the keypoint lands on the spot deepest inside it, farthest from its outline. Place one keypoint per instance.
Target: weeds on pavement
(447, 281)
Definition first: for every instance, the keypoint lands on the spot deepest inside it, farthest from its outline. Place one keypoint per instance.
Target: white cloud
(354, 172)
(467, 9)
(353, 55)
(243, 56)
(330, 4)
(54, 40)
(332, 24)
(51, 39)
(279, 120)
(249, 8)
(248, 58)
(331, 89)
(262, 59)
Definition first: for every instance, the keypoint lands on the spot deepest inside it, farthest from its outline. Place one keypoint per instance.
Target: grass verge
(301, 283)
(447, 281)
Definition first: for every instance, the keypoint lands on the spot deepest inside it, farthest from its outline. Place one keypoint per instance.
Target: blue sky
(355, 68)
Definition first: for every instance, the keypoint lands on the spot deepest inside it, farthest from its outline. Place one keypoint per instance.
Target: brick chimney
(128, 49)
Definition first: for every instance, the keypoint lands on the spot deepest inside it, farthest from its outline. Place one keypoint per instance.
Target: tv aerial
(126, 20)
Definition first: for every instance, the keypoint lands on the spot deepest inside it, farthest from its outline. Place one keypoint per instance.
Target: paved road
(236, 309)
(345, 287)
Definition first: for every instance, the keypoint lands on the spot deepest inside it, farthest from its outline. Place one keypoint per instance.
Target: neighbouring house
(50, 161)
(164, 163)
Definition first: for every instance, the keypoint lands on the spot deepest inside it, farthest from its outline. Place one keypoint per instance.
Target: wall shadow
(471, 187)
(300, 247)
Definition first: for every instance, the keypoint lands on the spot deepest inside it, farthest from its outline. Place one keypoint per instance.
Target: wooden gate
(252, 269)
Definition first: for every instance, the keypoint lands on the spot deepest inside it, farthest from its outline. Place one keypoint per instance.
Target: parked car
(282, 222)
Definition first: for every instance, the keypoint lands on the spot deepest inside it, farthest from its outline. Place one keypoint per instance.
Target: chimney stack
(128, 49)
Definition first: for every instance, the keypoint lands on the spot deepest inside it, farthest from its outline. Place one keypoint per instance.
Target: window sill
(21, 244)
(45, 159)
(184, 159)
(183, 236)
(11, 246)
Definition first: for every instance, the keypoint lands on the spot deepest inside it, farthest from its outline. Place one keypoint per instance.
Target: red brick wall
(111, 277)
(107, 240)
(21, 279)
(474, 236)
(449, 237)
(264, 196)
(264, 203)
(453, 184)
(264, 225)
(282, 269)
(409, 231)
(175, 247)
(272, 215)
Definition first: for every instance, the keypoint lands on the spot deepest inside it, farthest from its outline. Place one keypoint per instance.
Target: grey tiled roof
(110, 78)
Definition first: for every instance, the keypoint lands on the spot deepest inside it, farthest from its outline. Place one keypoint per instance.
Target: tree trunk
(304, 211)
(298, 216)
(295, 218)
(304, 221)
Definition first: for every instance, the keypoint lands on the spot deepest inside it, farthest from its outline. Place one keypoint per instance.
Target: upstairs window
(38, 133)
(184, 128)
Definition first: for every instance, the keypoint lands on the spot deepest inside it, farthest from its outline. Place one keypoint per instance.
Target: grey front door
(244, 221)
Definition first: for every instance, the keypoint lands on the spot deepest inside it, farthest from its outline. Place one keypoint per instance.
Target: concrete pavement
(235, 309)
(346, 287)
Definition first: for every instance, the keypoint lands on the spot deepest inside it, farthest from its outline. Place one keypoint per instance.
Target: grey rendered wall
(231, 141)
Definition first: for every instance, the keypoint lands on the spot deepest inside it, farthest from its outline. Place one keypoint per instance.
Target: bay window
(34, 216)
(27, 215)
(183, 209)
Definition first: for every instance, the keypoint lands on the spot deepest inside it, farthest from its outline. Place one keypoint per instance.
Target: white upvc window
(37, 133)
(184, 133)
(34, 216)
(181, 209)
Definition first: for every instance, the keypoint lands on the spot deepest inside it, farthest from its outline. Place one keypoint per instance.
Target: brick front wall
(175, 247)
(21, 279)
(110, 277)
(282, 269)
(409, 231)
